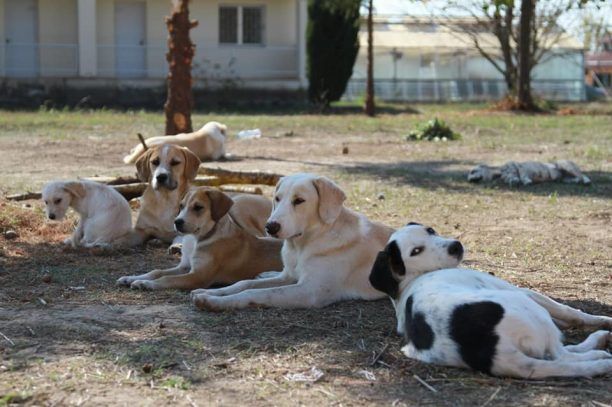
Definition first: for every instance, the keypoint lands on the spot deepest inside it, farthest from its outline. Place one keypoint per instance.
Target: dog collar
(209, 234)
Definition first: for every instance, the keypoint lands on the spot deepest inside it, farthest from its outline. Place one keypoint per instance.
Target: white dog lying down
(105, 215)
(530, 172)
(327, 253)
(208, 143)
(466, 318)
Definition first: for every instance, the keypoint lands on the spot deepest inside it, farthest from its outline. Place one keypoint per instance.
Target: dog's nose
(162, 177)
(456, 249)
(178, 224)
(51, 216)
(273, 228)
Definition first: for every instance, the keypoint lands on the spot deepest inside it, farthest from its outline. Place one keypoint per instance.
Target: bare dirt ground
(69, 336)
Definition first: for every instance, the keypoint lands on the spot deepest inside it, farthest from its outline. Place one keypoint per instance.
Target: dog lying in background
(208, 143)
(466, 318)
(105, 216)
(217, 245)
(169, 170)
(530, 172)
(327, 252)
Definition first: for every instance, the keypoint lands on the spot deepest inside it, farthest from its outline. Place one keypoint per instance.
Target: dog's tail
(134, 154)
(518, 364)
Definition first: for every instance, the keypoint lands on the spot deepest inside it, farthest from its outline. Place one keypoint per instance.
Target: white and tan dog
(105, 216)
(467, 318)
(327, 253)
(218, 245)
(169, 170)
(208, 143)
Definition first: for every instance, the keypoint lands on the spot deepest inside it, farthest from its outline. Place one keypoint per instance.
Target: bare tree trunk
(180, 55)
(525, 100)
(502, 29)
(370, 108)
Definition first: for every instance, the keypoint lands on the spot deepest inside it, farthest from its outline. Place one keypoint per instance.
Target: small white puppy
(105, 215)
(208, 143)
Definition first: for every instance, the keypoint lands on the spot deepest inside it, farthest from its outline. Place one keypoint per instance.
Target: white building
(415, 60)
(255, 43)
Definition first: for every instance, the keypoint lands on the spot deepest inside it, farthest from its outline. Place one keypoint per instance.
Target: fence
(457, 90)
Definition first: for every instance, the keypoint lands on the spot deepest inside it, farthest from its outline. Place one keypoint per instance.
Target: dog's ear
(143, 167)
(220, 204)
(331, 198)
(387, 270)
(192, 164)
(76, 189)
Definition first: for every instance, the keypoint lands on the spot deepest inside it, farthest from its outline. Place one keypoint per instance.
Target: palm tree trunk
(179, 102)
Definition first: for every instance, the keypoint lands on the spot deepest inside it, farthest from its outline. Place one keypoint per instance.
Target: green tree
(332, 46)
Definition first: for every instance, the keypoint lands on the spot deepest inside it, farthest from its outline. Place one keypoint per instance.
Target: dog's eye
(57, 201)
(417, 250)
(297, 201)
(46, 202)
(277, 199)
(155, 162)
(431, 231)
(174, 163)
(197, 207)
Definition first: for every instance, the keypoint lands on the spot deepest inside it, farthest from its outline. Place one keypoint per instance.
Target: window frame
(240, 25)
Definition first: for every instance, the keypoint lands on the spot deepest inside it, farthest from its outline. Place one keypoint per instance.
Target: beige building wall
(58, 37)
(277, 58)
(105, 27)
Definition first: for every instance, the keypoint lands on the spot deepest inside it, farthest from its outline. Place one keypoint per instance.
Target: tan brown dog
(169, 170)
(208, 143)
(217, 246)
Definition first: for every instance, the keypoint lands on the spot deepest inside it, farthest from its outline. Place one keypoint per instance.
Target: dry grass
(77, 339)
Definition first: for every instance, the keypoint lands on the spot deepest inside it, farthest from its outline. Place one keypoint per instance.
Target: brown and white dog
(169, 170)
(218, 244)
(208, 143)
(328, 252)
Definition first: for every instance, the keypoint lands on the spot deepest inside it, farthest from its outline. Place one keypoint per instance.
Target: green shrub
(332, 46)
(433, 130)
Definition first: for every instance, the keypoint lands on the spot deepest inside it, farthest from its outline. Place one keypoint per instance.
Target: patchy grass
(75, 338)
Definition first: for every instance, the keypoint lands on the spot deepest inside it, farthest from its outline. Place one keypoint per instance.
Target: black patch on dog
(413, 223)
(472, 326)
(395, 258)
(417, 329)
(381, 277)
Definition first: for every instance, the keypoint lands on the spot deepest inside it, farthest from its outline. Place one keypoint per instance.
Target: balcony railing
(455, 90)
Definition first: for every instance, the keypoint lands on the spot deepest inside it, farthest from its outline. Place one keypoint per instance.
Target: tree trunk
(370, 108)
(502, 30)
(180, 55)
(525, 100)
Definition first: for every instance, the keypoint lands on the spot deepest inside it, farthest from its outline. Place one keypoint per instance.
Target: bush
(332, 46)
(433, 130)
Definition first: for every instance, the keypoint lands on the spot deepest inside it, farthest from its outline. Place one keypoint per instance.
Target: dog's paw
(175, 248)
(206, 302)
(126, 280)
(143, 285)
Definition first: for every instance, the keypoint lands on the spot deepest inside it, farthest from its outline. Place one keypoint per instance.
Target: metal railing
(220, 62)
(38, 59)
(456, 90)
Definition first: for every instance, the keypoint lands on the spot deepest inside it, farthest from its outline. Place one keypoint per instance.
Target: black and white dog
(466, 318)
